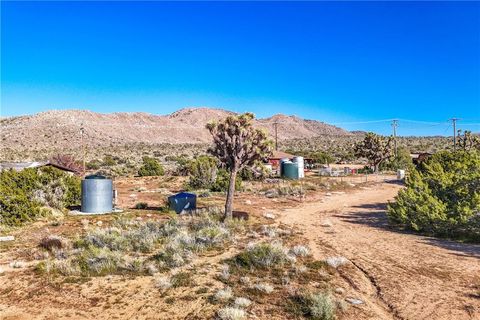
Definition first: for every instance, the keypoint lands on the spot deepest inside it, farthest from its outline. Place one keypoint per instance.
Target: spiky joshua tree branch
(236, 143)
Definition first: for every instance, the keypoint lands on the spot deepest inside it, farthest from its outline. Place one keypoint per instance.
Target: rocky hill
(61, 129)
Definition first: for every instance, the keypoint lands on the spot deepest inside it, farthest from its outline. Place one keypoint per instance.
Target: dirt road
(398, 275)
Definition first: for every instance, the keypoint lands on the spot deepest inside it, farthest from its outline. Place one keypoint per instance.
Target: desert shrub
(182, 279)
(263, 287)
(231, 313)
(442, 197)
(336, 262)
(108, 161)
(262, 255)
(163, 283)
(224, 294)
(53, 242)
(401, 160)
(114, 249)
(300, 251)
(151, 167)
(258, 171)
(242, 302)
(93, 165)
(141, 205)
(222, 181)
(203, 172)
(317, 306)
(99, 261)
(24, 193)
(123, 236)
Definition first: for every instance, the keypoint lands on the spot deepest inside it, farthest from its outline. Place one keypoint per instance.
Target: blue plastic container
(183, 201)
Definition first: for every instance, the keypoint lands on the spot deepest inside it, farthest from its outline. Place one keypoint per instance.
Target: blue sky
(338, 62)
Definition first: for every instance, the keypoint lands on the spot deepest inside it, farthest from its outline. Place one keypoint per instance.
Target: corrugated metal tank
(97, 194)
(301, 166)
(290, 170)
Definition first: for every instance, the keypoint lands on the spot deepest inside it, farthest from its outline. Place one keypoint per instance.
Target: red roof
(280, 155)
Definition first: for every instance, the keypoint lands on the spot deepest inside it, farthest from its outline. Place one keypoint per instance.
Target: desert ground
(393, 274)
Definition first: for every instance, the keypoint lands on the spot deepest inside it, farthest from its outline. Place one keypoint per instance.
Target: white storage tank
(401, 174)
(301, 166)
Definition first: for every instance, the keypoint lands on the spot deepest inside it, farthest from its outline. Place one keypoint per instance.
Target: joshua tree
(467, 141)
(236, 143)
(375, 148)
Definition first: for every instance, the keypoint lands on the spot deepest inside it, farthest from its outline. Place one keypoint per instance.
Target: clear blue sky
(332, 61)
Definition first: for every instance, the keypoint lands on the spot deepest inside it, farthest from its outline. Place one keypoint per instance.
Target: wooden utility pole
(394, 127)
(454, 123)
(275, 124)
(82, 131)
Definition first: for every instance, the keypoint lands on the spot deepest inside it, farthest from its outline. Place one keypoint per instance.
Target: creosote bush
(151, 167)
(26, 195)
(442, 197)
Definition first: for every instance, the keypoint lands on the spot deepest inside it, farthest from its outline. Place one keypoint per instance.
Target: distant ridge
(61, 128)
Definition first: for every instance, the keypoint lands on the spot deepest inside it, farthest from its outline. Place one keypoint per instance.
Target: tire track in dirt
(380, 296)
(406, 275)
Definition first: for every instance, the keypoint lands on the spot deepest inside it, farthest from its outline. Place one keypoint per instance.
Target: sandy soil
(399, 275)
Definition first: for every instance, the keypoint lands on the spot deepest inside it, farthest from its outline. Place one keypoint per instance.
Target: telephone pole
(394, 127)
(82, 131)
(275, 124)
(454, 124)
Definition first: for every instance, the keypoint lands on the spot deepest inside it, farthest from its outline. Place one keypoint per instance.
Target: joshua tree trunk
(230, 192)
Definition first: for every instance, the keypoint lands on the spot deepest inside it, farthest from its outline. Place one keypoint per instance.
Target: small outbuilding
(19, 166)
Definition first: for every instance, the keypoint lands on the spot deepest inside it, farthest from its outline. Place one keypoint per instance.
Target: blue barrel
(290, 170)
(183, 201)
(97, 194)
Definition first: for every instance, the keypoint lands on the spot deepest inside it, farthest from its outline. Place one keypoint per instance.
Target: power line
(275, 124)
(394, 127)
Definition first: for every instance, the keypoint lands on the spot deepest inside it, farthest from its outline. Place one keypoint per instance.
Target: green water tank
(290, 170)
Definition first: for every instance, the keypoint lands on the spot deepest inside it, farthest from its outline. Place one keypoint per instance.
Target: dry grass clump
(114, 249)
(263, 255)
(231, 313)
(317, 306)
(242, 302)
(184, 240)
(263, 287)
(300, 251)
(336, 262)
(163, 283)
(224, 295)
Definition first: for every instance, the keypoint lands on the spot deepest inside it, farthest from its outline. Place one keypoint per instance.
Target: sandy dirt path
(398, 275)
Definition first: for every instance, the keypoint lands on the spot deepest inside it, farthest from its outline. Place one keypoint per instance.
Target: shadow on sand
(376, 217)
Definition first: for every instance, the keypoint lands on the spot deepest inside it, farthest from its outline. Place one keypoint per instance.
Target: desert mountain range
(61, 128)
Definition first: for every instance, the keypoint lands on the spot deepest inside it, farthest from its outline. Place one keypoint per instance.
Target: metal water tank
(301, 166)
(97, 194)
